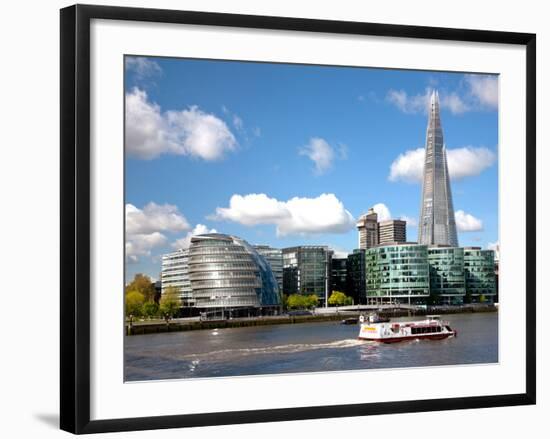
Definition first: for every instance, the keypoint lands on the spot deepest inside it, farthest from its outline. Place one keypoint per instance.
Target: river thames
(305, 347)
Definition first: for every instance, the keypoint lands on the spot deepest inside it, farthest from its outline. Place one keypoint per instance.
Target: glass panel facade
(447, 281)
(306, 270)
(397, 273)
(479, 269)
(437, 221)
(226, 271)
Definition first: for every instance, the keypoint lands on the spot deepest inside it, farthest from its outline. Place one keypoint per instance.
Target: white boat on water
(432, 328)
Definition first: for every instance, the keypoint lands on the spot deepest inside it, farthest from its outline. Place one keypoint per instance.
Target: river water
(306, 347)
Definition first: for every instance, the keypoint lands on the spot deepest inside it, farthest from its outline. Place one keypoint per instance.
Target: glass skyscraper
(437, 218)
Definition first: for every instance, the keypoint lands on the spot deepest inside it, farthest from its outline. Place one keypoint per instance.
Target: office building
(339, 274)
(175, 274)
(479, 270)
(227, 273)
(397, 273)
(357, 276)
(392, 231)
(367, 226)
(274, 257)
(306, 270)
(447, 278)
(437, 220)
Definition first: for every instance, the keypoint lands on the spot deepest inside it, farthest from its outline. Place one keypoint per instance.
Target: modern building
(367, 226)
(392, 231)
(479, 269)
(357, 276)
(226, 273)
(274, 257)
(397, 273)
(339, 275)
(306, 270)
(175, 273)
(447, 278)
(437, 220)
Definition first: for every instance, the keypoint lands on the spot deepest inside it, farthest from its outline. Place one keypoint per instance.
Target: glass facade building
(447, 281)
(357, 276)
(274, 257)
(479, 269)
(437, 219)
(306, 270)
(339, 274)
(397, 273)
(226, 272)
(175, 273)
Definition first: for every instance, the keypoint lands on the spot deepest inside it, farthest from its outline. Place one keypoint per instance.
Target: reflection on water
(308, 347)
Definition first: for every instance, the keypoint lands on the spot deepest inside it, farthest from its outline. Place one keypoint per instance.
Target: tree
(150, 309)
(312, 301)
(296, 301)
(482, 298)
(134, 301)
(170, 302)
(337, 298)
(144, 285)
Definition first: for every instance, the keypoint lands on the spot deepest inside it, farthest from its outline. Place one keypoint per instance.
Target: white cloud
(154, 217)
(150, 133)
(141, 244)
(420, 102)
(484, 89)
(463, 162)
(467, 223)
(411, 222)
(297, 216)
(237, 122)
(409, 104)
(144, 227)
(199, 229)
(454, 103)
(142, 67)
(383, 211)
(481, 94)
(320, 153)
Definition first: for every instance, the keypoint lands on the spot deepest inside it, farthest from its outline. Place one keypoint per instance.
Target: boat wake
(282, 349)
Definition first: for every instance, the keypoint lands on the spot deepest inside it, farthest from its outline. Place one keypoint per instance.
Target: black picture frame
(75, 217)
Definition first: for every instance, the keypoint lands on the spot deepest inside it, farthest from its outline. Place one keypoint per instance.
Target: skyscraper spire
(437, 218)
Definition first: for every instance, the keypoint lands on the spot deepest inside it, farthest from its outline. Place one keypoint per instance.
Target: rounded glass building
(397, 273)
(226, 272)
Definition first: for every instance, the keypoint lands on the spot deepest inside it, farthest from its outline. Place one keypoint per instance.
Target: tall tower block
(437, 218)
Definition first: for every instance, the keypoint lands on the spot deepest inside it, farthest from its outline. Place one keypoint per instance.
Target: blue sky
(284, 154)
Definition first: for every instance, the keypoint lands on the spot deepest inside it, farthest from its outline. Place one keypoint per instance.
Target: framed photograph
(274, 218)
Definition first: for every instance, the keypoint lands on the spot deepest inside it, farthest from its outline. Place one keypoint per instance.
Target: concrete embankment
(139, 328)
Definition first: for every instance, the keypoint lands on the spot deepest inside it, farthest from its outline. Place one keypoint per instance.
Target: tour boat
(432, 328)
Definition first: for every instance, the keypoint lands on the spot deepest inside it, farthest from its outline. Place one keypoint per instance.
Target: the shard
(437, 218)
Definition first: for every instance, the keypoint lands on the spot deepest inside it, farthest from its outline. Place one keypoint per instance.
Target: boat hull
(409, 337)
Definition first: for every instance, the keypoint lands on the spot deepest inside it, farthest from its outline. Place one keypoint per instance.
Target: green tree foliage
(170, 302)
(150, 309)
(144, 285)
(134, 301)
(337, 298)
(299, 301)
(482, 298)
(313, 301)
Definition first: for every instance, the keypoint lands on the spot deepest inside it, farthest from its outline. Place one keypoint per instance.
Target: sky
(285, 155)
